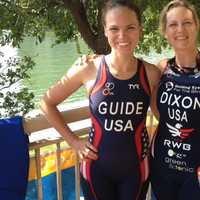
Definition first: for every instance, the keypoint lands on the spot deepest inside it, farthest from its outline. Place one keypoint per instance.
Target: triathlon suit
(176, 146)
(118, 112)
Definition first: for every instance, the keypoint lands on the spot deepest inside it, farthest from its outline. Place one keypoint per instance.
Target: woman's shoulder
(150, 68)
(85, 65)
(162, 64)
(153, 73)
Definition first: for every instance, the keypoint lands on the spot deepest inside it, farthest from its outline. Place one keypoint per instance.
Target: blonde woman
(175, 165)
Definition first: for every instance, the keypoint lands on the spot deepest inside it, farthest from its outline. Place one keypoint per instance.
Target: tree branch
(77, 9)
(9, 85)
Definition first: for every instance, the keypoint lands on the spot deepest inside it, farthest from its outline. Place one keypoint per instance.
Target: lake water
(53, 62)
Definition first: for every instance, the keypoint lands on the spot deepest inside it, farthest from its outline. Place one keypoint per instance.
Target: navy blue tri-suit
(118, 112)
(176, 146)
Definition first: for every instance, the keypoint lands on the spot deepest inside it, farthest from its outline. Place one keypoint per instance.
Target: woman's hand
(85, 150)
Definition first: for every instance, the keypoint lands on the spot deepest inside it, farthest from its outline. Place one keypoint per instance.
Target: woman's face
(122, 29)
(181, 29)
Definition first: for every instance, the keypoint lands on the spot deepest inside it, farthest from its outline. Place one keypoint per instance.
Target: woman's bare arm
(68, 84)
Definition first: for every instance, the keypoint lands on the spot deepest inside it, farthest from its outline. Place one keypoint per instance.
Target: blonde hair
(175, 4)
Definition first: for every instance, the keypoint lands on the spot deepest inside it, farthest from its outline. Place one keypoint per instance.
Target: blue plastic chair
(14, 159)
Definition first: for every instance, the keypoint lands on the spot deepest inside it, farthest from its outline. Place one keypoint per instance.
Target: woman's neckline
(120, 75)
(194, 67)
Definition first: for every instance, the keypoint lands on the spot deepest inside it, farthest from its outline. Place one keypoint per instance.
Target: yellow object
(48, 163)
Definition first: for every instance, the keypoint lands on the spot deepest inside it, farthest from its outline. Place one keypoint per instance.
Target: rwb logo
(178, 131)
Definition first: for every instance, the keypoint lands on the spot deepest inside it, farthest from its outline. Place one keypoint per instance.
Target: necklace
(193, 68)
(188, 70)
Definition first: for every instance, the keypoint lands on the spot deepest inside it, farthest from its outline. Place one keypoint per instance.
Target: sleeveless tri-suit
(118, 113)
(175, 163)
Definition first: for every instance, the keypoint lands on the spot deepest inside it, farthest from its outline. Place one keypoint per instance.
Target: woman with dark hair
(119, 86)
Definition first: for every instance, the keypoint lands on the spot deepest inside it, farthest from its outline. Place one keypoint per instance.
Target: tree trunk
(95, 40)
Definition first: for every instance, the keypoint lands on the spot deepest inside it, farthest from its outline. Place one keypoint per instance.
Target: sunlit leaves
(36, 17)
(16, 103)
(15, 99)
